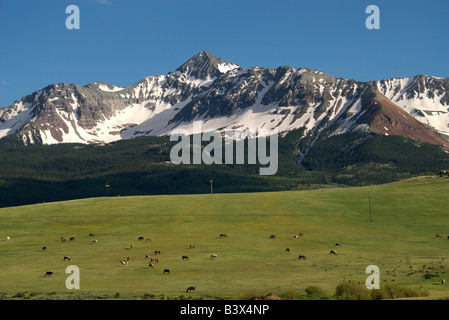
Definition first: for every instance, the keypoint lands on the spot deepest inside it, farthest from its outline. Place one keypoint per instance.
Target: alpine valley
(66, 141)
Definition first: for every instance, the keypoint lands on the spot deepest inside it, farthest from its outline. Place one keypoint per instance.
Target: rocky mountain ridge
(223, 95)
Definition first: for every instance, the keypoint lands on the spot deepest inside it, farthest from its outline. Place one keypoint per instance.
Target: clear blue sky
(122, 41)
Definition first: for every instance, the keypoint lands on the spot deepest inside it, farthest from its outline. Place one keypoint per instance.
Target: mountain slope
(224, 95)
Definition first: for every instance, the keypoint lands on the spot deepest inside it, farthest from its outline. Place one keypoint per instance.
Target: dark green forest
(141, 166)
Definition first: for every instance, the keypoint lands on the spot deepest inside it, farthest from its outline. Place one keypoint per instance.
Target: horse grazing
(439, 236)
(91, 234)
(333, 252)
(94, 241)
(192, 246)
(151, 266)
(185, 258)
(48, 274)
(147, 256)
(287, 250)
(338, 245)
(301, 257)
(149, 239)
(44, 248)
(157, 252)
(72, 239)
(272, 236)
(190, 289)
(295, 236)
(155, 260)
(8, 238)
(213, 256)
(223, 235)
(123, 262)
(63, 239)
(166, 271)
(66, 258)
(140, 239)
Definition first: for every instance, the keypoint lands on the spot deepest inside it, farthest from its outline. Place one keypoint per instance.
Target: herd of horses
(184, 257)
(126, 262)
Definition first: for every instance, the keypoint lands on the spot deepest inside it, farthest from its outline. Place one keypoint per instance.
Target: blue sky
(122, 41)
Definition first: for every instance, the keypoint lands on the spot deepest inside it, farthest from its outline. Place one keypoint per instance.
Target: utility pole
(369, 201)
(211, 189)
(107, 189)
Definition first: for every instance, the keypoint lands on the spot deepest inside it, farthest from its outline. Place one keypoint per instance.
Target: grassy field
(401, 240)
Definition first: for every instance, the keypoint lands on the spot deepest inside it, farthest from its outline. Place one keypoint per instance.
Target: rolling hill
(400, 239)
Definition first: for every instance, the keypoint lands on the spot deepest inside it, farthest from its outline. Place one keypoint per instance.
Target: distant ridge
(224, 95)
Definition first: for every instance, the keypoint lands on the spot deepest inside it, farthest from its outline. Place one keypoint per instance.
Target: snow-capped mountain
(224, 95)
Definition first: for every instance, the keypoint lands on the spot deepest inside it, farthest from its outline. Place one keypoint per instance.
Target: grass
(400, 241)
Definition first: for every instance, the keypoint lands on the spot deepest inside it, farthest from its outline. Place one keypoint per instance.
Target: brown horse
(302, 257)
(223, 235)
(185, 258)
(439, 236)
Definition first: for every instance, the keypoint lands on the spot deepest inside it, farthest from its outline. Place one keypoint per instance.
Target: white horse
(8, 238)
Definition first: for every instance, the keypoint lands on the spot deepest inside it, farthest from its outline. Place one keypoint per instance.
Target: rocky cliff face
(224, 95)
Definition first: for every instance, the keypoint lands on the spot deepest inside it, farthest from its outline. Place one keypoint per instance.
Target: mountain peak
(204, 65)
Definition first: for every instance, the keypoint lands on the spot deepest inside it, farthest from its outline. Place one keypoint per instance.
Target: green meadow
(400, 239)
